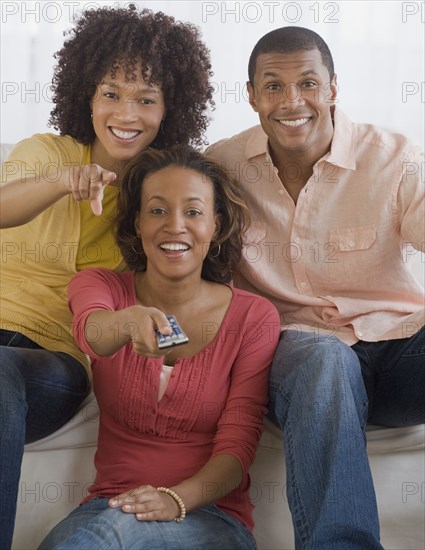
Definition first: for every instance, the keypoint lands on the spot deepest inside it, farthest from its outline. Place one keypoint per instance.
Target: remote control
(176, 338)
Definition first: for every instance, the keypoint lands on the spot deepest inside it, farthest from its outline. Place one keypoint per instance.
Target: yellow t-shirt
(38, 259)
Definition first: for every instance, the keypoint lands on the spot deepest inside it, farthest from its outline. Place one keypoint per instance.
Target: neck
(303, 160)
(166, 294)
(295, 168)
(302, 164)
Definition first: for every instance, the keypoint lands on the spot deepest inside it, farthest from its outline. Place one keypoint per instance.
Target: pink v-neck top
(213, 403)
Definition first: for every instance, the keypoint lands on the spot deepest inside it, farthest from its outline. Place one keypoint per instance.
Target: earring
(141, 253)
(91, 117)
(218, 252)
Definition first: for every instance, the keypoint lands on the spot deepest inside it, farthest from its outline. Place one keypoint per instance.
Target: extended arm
(108, 331)
(104, 321)
(23, 199)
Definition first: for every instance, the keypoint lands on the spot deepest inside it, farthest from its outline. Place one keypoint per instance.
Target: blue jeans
(95, 525)
(323, 393)
(40, 391)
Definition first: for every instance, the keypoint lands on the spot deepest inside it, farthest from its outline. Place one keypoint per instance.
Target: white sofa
(57, 470)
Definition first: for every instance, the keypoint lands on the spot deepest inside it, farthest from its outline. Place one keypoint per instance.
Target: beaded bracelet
(179, 501)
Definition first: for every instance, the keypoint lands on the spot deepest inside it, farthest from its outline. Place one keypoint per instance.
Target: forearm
(22, 200)
(220, 475)
(107, 331)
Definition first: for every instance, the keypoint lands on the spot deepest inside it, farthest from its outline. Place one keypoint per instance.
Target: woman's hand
(147, 504)
(136, 324)
(87, 182)
(24, 199)
(142, 326)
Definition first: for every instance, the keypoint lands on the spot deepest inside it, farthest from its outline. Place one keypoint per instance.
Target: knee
(12, 384)
(315, 357)
(316, 370)
(332, 362)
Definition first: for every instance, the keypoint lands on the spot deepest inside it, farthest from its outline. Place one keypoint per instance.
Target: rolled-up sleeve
(89, 291)
(411, 199)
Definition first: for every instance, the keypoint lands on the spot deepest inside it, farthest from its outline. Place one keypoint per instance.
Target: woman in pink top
(178, 427)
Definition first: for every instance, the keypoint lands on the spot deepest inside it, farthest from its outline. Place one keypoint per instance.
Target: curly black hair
(105, 39)
(226, 250)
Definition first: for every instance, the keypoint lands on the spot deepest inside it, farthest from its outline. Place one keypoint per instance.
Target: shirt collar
(257, 143)
(342, 146)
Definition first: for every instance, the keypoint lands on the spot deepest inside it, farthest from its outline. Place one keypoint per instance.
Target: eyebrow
(189, 199)
(309, 71)
(164, 198)
(119, 84)
(304, 73)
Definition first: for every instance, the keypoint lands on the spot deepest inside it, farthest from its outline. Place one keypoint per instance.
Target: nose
(175, 223)
(126, 110)
(292, 97)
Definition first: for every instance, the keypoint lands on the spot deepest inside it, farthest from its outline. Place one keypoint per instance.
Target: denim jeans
(323, 393)
(95, 525)
(40, 390)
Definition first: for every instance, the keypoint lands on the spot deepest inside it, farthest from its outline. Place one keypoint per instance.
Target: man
(332, 205)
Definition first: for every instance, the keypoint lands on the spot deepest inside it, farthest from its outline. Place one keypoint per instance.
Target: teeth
(124, 135)
(298, 122)
(174, 246)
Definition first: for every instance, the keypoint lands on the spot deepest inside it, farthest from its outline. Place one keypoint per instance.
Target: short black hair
(289, 40)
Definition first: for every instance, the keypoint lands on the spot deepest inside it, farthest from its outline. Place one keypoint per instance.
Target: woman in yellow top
(125, 80)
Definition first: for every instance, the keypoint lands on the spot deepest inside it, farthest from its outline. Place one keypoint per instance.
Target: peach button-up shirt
(336, 263)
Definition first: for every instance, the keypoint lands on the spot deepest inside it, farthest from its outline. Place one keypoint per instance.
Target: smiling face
(293, 97)
(127, 116)
(176, 222)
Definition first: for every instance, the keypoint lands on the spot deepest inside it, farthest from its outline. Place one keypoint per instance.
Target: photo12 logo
(51, 12)
(410, 10)
(271, 12)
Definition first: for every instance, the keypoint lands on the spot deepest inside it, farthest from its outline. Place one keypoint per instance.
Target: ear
(333, 88)
(136, 224)
(251, 95)
(217, 226)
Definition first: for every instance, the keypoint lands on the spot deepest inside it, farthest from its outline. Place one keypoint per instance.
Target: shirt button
(303, 284)
(359, 333)
(281, 192)
(351, 244)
